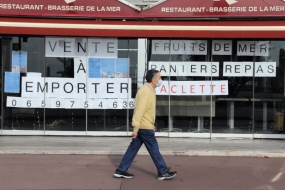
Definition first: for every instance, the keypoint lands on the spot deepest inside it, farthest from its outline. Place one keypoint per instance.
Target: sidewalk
(118, 145)
(95, 172)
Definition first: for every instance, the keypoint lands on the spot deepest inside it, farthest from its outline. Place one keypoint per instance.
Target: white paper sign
(80, 89)
(34, 87)
(29, 86)
(54, 87)
(222, 47)
(73, 104)
(265, 69)
(100, 103)
(68, 87)
(60, 103)
(43, 103)
(76, 88)
(80, 68)
(190, 47)
(251, 48)
(128, 103)
(186, 68)
(245, 69)
(115, 103)
(14, 101)
(57, 103)
(87, 104)
(103, 47)
(41, 87)
(29, 103)
(238, 69)
(60, 47)
(194, 88)
(109, 88)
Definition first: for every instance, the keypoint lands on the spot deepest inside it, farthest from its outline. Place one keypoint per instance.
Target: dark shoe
(167, 175)
(121, 174)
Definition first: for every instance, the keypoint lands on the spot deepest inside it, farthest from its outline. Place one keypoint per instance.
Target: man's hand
(154, 128)
(134, 134)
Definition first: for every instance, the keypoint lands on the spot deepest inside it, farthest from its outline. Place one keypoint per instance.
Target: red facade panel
(201, 29)
(166, 9)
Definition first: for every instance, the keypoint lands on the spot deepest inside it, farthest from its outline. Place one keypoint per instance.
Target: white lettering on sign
(222, 47)
(186, 68)
(227, 9)
(59, 7)
(245, 69)
(194, 88)
(251, 48)
(76, 47)
(22, 7)
(108, 9)
(65, 8)
(272, 9)
(183, 9)
(191, 47)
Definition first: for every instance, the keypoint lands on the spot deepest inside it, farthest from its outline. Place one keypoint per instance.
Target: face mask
(159, 83)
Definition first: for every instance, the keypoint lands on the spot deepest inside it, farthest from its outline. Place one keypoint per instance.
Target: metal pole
(253, 93)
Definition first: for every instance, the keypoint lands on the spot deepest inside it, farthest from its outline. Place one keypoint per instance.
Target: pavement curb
(230, 153)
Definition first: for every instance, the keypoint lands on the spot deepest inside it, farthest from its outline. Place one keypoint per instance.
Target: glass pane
(65, 76)
(269, 88)
(22, 56)
(114, 116)
(234, 112)
(159, 60)
(1, 81)
(185, 67)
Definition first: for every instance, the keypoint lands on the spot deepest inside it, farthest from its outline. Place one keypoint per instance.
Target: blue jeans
(148, 138)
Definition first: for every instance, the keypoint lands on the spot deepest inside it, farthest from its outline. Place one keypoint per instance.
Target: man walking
(143, 123)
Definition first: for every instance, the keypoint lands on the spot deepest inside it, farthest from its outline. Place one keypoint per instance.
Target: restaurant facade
(73, 67)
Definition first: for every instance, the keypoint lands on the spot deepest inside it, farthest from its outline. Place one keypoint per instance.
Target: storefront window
(242, 73)
(86, 84)
(69, 83)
